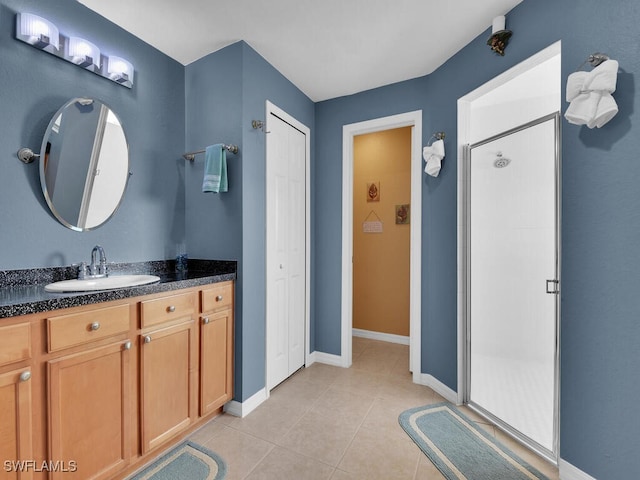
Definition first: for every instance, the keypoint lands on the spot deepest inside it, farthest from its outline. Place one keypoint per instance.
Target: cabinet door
(216, 360)
(90, 412)
(166, 362)
(15, 423)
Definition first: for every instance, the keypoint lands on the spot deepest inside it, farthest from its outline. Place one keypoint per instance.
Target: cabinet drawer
(153, 312)
(15, 343)
(78, 328)
(219, 296)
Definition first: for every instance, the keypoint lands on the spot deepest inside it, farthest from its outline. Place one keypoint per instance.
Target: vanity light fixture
(38, 31)
(44, 35)
(120, 70)
(83, 53)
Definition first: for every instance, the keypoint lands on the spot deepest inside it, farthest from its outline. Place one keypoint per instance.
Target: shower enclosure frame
(551, 455)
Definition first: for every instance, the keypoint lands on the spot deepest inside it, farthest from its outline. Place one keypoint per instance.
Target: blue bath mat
(461, 450)
(187, 461)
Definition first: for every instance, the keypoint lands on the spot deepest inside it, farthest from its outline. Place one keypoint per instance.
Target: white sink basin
(104, 283)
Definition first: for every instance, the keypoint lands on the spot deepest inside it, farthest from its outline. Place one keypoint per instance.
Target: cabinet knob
(127, 345)
(147, 339)
(219, 298)
(205, 320)
(24, 376)
(171, 308)
(95, 326)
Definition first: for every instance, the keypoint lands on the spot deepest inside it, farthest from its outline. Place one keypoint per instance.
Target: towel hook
(26, 155)
(594, 60)
(259, 124)
(436, 136)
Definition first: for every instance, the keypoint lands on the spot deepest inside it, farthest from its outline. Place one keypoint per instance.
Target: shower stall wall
(512, 270)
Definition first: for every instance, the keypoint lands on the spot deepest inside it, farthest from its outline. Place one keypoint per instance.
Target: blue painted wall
(225, 91)
(260, 82)
(33, 86)
(172, 108)
(600, 223)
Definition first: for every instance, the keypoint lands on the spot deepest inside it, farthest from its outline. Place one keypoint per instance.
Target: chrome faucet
(98, 270)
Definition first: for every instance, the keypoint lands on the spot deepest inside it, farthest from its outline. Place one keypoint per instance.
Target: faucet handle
(82, 271)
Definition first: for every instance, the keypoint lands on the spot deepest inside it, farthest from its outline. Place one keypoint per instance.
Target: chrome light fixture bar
(44, 35)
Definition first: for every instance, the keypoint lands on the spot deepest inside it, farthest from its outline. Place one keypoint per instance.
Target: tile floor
(341, 424)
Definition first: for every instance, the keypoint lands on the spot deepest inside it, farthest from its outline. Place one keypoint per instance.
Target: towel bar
(192, 155)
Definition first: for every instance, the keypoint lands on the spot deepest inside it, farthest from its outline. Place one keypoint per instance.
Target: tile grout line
(260, 461)
(355, 434)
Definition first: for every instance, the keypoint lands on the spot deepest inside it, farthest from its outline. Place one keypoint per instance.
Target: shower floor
(520, 393)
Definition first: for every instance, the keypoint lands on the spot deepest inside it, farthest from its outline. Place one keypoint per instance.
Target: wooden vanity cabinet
(15, 399)
(168, 368)
(88, 393)
(216, 347)
(96, 391)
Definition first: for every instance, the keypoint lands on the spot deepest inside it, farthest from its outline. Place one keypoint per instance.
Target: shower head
(500, 161)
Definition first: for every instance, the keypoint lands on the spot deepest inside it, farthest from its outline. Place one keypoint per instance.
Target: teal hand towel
(215, 169)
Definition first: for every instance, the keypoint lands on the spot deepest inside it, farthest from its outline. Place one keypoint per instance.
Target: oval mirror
(84, 164)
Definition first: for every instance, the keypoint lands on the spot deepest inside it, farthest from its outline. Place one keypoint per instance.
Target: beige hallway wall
(381, 260)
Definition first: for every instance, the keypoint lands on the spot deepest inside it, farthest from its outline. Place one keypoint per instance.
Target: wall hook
(259, 124)
(436, 136)
(26, 155)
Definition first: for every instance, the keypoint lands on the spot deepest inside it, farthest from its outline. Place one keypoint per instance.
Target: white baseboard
(243, 409)
(328, 359)
(439, 387)
(383, 337)
(569, 472)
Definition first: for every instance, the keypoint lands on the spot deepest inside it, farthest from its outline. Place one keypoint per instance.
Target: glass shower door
(512, 308)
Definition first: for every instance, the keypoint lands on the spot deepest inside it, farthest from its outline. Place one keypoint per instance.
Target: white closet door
(285, 250)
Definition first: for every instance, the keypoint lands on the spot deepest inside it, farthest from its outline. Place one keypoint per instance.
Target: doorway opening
(413, 120)
(381, 241)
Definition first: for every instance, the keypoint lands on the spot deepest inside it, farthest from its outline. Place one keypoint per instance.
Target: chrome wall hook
(594, 60)
(259, 124)
(436, 136)
(26, 155)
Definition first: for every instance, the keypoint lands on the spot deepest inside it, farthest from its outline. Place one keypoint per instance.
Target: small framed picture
(403, 214)
(373, 192)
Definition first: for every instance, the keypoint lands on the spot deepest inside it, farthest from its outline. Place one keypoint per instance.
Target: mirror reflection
(85, 165)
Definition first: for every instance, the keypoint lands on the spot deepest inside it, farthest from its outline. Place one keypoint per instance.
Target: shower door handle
(555, 286)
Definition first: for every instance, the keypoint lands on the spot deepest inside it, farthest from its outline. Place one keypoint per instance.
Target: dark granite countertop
(22, 291)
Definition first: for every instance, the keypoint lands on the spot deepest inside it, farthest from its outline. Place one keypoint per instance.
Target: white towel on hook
(589, 94)
(433, 155)
(607, 109)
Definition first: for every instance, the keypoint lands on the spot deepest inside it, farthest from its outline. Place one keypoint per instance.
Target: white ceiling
(327, 48)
